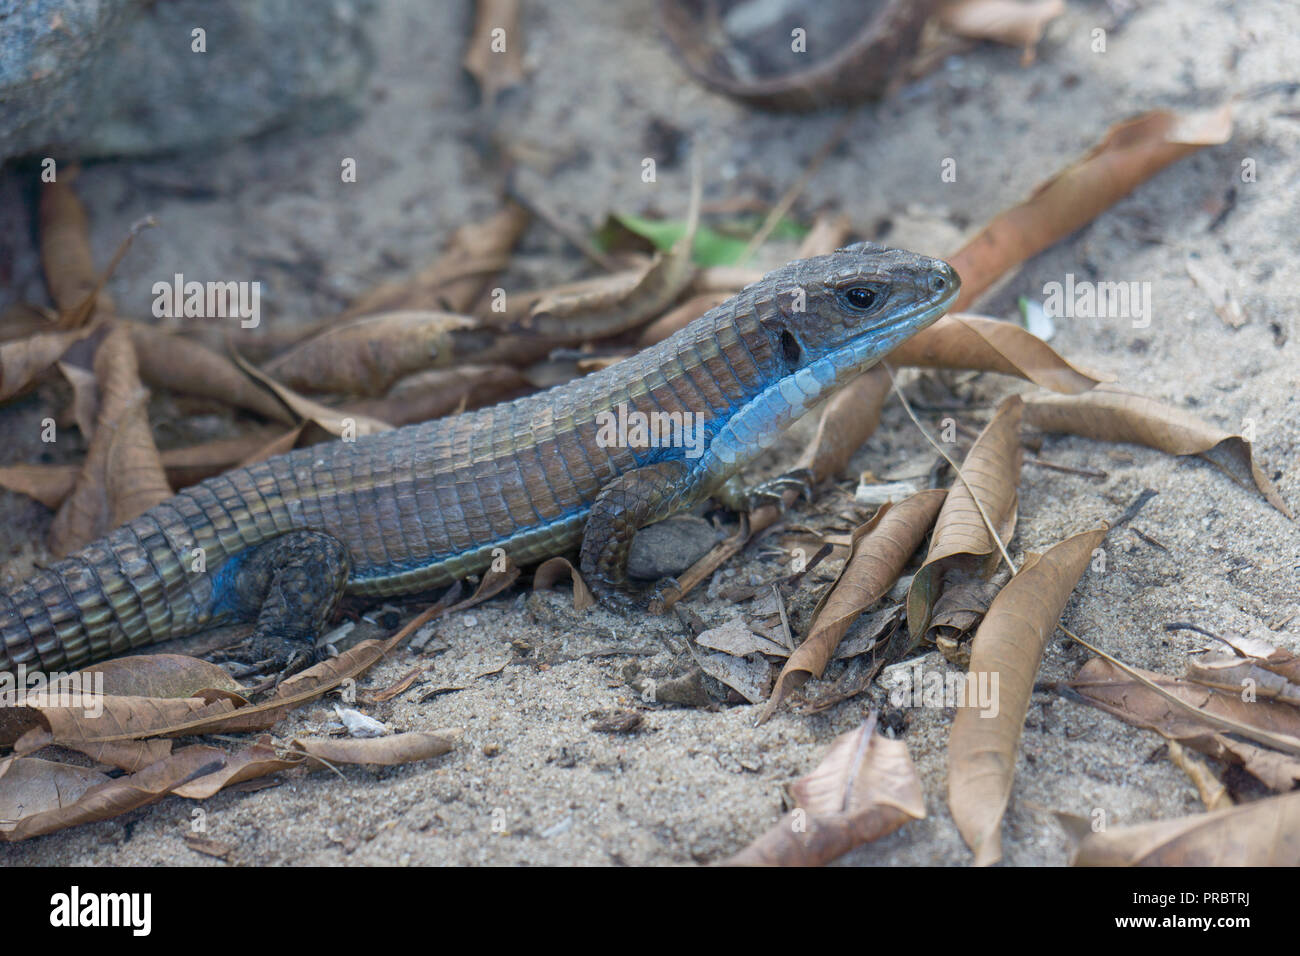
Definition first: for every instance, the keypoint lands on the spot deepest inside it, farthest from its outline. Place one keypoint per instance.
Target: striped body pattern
(425, 505)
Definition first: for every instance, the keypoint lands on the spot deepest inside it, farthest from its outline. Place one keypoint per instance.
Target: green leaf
(713, 247)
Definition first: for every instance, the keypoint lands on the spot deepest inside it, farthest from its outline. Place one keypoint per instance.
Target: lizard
(279, 542)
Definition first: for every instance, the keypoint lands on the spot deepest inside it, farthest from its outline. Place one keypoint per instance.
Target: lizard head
(856, 304)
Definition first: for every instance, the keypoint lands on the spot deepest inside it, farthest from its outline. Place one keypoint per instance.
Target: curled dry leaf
(263, 757)
(1129, 154)
(378, 751)
(881, 549)
(335, 421)
(1202, 727)
(984, 344)
(151, 675)
(85, 396)
(123, 475)
(66, 257)
(23, 361)
(366, 356)
(187, 367)
(1113, 415)
(1012, 22)
(611, 305)
(48, 484)
(860, 69)
(495, 53)
(1005, 655)
(865, 788)
(104, 728)
(1263, 833)
(961, 546)
(1232, 673)
(457, 278)
(549, 572)
(57, 809)
(1266, 655)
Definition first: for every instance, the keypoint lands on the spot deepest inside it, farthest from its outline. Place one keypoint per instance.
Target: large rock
(84, 78)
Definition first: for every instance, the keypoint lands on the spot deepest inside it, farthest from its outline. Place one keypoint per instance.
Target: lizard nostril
(938, 283)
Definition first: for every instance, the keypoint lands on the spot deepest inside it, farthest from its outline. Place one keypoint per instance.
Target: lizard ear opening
(791, 351)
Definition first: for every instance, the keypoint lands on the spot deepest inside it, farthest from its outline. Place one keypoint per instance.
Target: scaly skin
(425, 505)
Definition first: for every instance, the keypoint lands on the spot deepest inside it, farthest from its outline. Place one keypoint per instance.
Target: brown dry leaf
(1267, 655)
(1213, 711)
(366, 356)
(81, 721)
(457, 278)
(263, 757)
(495, 54)
(881, 549)
(19, 320)
(549, 572)
(66, 257)
(984, 344)
(58, 811)
(1113, 415)
(861, 68)
(23, 361)
(1012, 22)
(495, 580)
(123, 475)
(1263, 833)
(612, 305)
(1129, 154)
(183, 365)
(1233, 674)
(438, 392)
(333, 420)
(1008, 648)
(379, 751)
(296, 690)
(85, 396)
(30, 785)
(152, 675)
(961, 542)
(865, 788)
(48, 484)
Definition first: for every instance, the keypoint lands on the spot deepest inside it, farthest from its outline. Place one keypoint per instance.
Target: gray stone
(88, 78)
(670, 547)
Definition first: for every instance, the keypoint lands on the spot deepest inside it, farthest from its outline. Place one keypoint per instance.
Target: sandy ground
(532, 783)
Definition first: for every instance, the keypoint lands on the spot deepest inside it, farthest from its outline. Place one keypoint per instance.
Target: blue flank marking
(391, 570)
(223, 584)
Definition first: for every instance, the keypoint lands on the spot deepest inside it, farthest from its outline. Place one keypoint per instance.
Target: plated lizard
(279, 542)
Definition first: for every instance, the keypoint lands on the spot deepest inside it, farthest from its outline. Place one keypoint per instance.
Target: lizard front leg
(291, 585)
(629, 502)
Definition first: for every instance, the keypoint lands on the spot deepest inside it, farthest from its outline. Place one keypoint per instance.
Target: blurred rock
(87, 78)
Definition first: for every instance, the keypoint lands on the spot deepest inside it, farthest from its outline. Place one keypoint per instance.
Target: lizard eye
(861, 297)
